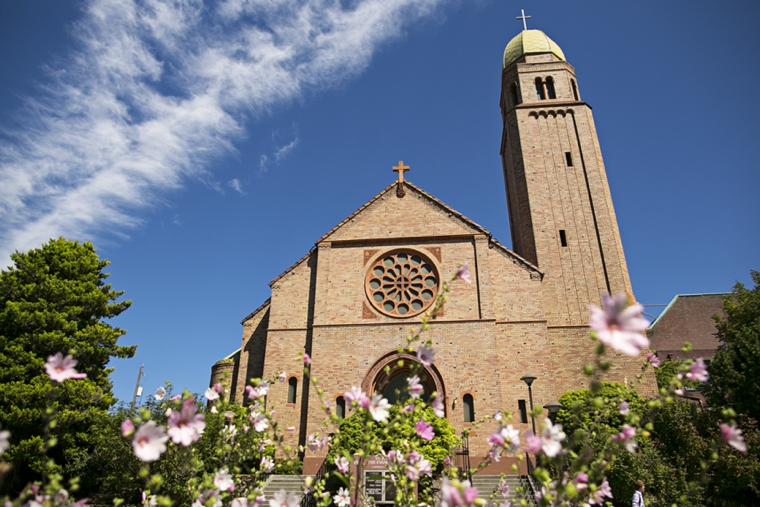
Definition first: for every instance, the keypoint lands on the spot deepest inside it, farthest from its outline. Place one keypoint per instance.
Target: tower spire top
(524, 19)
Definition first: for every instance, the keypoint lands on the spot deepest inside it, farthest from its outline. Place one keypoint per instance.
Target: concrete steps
(288, 483)
(487, 484)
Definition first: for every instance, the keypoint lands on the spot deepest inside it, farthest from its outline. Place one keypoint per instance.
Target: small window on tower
(562, 237)
(523, 409)
(540, 95)
(292, 386)
(550, 88)
(575, 89)
(569, 159)
(340, 407)
(469, 408)
(513, 90)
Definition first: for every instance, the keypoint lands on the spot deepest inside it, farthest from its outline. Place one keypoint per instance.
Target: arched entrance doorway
(391, 382)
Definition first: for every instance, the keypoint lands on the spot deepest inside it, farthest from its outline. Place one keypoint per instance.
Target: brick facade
(524, 312)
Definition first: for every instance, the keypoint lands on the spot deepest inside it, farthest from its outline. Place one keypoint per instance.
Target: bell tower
(560, 208)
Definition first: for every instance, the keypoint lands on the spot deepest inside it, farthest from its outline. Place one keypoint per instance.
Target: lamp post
(553, 407)
(528, 379)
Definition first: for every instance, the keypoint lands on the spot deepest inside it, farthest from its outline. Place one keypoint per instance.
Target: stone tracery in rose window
(402, 283)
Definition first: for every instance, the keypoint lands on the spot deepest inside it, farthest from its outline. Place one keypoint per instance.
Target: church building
(350, 301)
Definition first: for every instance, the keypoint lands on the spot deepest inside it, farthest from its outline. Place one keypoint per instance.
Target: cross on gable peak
(400, 169)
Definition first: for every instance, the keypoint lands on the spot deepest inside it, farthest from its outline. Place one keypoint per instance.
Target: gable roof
(477, 229)
(688, 317)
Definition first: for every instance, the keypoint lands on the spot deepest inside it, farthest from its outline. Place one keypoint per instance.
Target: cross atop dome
(524, 19)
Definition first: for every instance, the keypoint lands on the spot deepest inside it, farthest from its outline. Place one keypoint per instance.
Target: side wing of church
(350, 302)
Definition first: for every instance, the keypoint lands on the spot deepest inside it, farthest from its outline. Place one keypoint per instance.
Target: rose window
(402, 283)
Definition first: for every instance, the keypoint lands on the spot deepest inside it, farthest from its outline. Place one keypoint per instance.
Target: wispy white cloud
(280, 154)
(236, 185)
(159, 88)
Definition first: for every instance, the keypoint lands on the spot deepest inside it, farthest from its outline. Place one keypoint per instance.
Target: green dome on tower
(530, 42)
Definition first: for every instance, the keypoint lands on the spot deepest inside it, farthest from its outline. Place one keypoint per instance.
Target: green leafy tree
(735, 369)
(55, 299)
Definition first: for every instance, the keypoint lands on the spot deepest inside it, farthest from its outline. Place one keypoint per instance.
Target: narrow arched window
(513, 91)
(340, 407)
(575, 89)
(292, 386)
(550, 88)
(469, 408)
(540, 95)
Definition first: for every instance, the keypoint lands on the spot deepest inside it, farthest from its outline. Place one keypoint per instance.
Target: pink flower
(223, 480)
(733, 436)
(503, 488)
(533, 442)
(438, 406)
(61, 368)
(315, 443)
(378, 408)
(306, 358)
(415, 388)
(291, 428)
(580, 481)
(619, 326)
(342, 463)
(408, 409)
(186, 426)
(426, 355)
(551, 440)
(211, 394)
(424, 430)
(463, 273)
(652, 358)
(697, 371)
(626, 436)
(281, 378)
(127, 427)
(604, 491)
(624, 409)
(497, 416)
(283, 499)
(149, 442)
(451, 496)
(357, 395)
(175, 398)
(239, 502)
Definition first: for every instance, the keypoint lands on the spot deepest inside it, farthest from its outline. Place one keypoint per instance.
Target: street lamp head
(528, 379)
(553, 407)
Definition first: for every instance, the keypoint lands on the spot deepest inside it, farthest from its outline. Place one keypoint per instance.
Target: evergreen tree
(54, 299)
(735, 369)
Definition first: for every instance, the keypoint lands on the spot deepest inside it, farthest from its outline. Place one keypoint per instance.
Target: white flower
(223, 480)
(619, 326)
(267, 465)
(211, 395)
(149, 441)
(378, 408)
(160, 393)
(343, 498)
(260, 422)
(4, 443)
(551, 440)
(282, 499)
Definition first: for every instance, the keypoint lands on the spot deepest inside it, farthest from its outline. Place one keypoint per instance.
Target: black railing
(308, 499)
(462, 459)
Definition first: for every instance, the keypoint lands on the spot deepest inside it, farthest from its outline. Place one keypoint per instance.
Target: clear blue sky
(203, 148)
